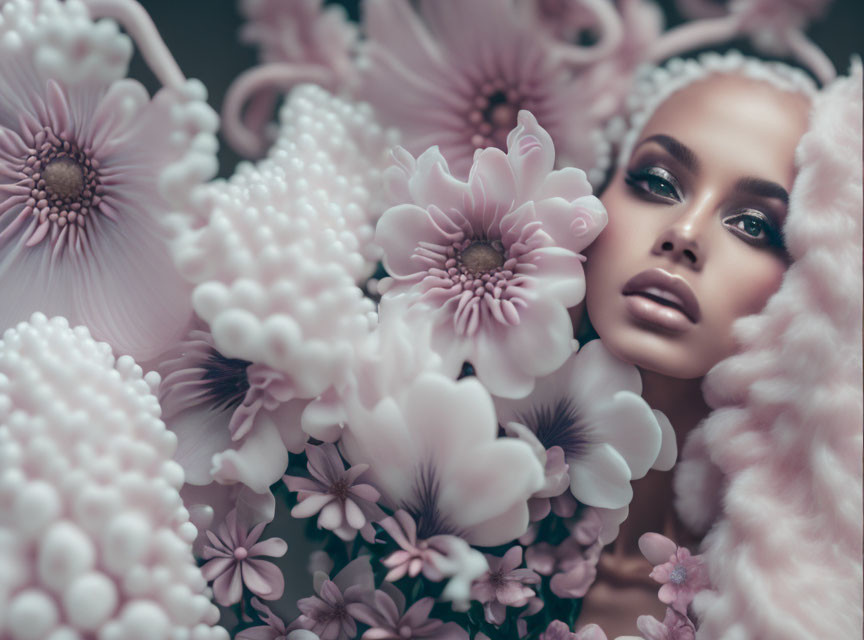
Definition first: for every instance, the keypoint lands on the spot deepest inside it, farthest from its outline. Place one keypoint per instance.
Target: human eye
(755, 228)
(655, 182)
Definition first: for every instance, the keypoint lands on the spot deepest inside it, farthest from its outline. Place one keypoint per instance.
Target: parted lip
(665, 288)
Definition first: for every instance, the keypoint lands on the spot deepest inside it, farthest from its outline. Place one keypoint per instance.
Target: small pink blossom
(437, 557)
(232, 562)
(558, 630)
(273, 628)
(345, 506)
(329, 612)
(504, 585)
(675, 626)
(681, 575)
(388, 619)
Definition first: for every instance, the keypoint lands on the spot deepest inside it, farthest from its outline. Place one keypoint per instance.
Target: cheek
(746, 286)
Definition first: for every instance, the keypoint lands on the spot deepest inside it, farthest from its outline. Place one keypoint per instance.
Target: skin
(736, 128)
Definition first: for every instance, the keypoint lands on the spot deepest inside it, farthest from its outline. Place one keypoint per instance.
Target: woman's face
(695, 217)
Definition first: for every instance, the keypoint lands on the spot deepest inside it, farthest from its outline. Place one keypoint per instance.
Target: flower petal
(263, 578)
(601, 479)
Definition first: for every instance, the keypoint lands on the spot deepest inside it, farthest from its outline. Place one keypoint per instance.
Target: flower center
(225, 379)
(64, 178)
(406, 632)
(64, 190)
(678, 575)
(240, 553)
(559, 424)
(494, 113)
(481, 257)
(339, 489)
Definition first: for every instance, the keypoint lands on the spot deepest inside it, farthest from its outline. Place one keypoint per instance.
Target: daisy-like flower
(504, 585)
(94, 538)
(433, 450)
(233, 562)
(235, 421)
(437, 557)
(388, 620)
(330, 613)
(457, 75)
(592, 409)
(496, 261)
(681, 574)
(346, 506)
(81, 152)
(274, 628)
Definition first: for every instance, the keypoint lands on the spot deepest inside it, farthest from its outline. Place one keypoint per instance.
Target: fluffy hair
(784, 554)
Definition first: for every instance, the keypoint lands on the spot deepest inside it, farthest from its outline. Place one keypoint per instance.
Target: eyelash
(659, 184)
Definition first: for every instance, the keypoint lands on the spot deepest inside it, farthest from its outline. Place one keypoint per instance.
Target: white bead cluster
(654, 85)
(94, 539)
(277, 250)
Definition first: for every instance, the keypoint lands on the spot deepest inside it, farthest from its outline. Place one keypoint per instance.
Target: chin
(656, 353)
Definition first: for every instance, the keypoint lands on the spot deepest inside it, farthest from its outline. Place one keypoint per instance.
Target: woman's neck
(652, 506)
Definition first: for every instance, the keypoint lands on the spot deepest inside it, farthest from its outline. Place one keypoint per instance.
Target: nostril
(666, 246)
(690, 256)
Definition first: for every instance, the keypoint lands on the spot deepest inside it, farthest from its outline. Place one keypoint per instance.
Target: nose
(681, 241)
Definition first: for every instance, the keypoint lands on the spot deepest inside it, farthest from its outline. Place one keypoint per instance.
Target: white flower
(591, 408)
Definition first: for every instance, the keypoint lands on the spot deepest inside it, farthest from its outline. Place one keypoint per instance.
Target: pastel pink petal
(353, 515)
(592, 632)
(495, 366)
(419, 612)
(502, 528)
(331, 516)
(656, 548)
(274, 547)
(559, 275)
(366, 492)
(601, 478)
(399, 230)
(305, 485)
(260, 460)
(311, 505)
(263, 579)
(493, 190)
(287, 419)
(597, 374)
(201, 433)
(668, 593)
(228, 587)
(569, 183)
(432, 184)
(662, 572)
(511, 559)
(216, 567)
(572, 225)
(531, 154)
(651, 628)
(358, 572)
(574, 583)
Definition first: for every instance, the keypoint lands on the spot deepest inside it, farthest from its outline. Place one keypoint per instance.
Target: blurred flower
(591, 408)
(457, 75)
(388, 620)
(273, 628)
(555, 468)
(329, 613)
(232, 562)
(81, 152)
(433, 450)
(675, 626)
(504, 585)
(495, 261)
(235, 421)
(558, 630)
(345, 507)
(94, 538)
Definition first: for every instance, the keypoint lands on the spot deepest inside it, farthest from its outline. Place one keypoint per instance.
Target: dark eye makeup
(657, 184)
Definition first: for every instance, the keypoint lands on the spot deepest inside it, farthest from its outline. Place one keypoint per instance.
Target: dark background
(203, 36)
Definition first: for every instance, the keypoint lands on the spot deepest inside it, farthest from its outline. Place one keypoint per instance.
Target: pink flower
(329, 613)
(496, 260)
(388, 620)
(504, 585)
(436, 557)
(345, 507)
(675, 626)
(681, 574)
(273, 628)
(555, 468)
(232, 562)
(458, 74)
(235, 421)
(81, 152)
(558, 630)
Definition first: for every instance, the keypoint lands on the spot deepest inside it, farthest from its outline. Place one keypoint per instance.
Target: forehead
(736, 124)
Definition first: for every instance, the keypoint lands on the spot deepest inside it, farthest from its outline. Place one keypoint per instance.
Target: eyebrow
(762, 188)
(681, 152)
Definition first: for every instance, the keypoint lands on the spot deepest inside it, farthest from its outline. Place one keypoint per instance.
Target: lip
(659, 292)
